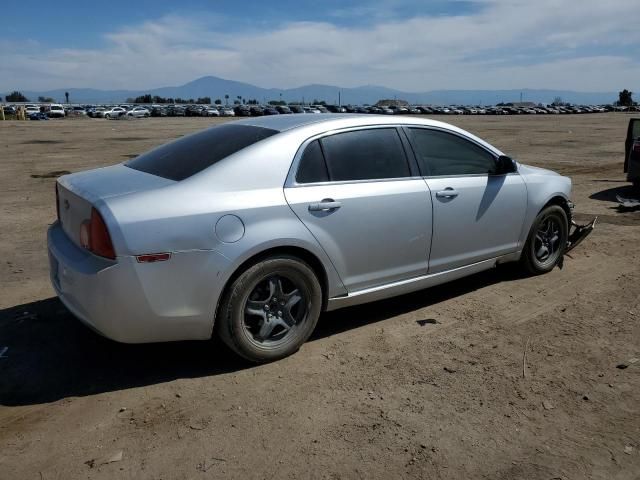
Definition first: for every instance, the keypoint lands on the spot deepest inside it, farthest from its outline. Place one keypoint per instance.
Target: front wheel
(547, 241)
(271, 309)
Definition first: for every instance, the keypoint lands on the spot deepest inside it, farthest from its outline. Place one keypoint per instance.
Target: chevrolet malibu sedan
(253, 228)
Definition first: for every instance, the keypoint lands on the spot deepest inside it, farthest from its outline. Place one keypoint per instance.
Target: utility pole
(339, 99)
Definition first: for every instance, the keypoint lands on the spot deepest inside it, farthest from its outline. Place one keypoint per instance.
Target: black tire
(241, 330)
(533, 258)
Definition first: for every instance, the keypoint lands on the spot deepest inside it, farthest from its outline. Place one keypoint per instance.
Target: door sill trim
(410, 285)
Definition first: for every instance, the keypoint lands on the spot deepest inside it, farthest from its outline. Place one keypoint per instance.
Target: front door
(476, 215)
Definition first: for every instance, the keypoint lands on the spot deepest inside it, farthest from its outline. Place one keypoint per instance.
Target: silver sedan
(251, 229)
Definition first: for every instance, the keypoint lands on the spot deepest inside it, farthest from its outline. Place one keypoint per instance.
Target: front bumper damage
(579, 233)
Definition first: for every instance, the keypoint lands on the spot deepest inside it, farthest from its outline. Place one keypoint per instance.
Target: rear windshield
(189, 155)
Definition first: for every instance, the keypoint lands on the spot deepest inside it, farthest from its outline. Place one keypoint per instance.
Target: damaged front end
(577, 233)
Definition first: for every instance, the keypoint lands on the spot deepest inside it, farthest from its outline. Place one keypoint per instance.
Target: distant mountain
(216, 87)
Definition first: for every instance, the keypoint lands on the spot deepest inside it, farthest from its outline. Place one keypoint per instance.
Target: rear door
(633, 132)
(365, 203)
(476, 215)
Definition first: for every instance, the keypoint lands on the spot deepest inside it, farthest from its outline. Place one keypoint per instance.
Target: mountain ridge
(216, 87)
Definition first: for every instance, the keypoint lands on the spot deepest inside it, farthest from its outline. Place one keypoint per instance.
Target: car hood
(529, 170)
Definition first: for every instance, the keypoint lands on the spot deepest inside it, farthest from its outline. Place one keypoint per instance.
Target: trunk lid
(79, 192)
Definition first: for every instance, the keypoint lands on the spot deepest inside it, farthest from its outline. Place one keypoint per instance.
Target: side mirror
(505, 165)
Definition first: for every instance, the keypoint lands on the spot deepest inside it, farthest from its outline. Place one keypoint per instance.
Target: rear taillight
(636, 146)
(95, 237)
(57, 202)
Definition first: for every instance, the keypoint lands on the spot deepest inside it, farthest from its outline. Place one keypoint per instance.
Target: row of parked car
(42, 112)
(259, 110)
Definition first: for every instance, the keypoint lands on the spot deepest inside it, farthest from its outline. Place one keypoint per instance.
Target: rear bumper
(132, 302)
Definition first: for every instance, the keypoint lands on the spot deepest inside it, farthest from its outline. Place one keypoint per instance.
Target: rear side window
(440, 153)
(189, 155)
(365, 155)
(312, 167)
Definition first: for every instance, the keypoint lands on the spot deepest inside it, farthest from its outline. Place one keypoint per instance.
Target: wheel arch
(296, 251)
(538, 201)
(562, 202)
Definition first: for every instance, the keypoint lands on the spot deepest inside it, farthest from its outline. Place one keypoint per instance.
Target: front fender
(543, 186)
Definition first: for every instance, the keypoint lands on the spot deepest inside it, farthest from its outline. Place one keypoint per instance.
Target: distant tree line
(148, 98)
(625, 98)
(16, 96)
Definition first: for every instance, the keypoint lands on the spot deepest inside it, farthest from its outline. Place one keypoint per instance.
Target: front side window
(365, 155)
(445, 154)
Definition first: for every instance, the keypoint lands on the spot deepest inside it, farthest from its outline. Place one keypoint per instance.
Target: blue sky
(405, 44)
(83, 22)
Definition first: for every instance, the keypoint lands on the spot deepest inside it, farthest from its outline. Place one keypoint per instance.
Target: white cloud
(591, 45)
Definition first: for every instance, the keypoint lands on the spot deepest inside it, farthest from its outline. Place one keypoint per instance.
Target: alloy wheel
(546, 245)
(274, 309)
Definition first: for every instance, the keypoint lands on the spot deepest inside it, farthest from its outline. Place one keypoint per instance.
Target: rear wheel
(547, 241)
(271, 309)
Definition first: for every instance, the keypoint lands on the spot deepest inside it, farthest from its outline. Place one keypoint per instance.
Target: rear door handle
(326, 205)
(447, 193)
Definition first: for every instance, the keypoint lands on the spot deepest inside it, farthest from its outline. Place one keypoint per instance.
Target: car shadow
(609, 194)
(50, 355)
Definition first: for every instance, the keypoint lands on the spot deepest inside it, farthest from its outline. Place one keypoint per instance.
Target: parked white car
(30, 109)
(227, 112)
(56, 110)
(139, 112)
(114, 112)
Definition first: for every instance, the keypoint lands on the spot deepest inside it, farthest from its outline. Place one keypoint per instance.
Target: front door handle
(326, 205)
(447, 193)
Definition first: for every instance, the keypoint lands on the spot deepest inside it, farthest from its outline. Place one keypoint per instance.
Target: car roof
(288, 122)
(309, 125)
(330, 121)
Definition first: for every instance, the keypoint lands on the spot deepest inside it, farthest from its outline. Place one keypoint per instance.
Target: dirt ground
(427, 385)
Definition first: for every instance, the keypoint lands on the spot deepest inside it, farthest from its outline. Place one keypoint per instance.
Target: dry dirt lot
(428, 385)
